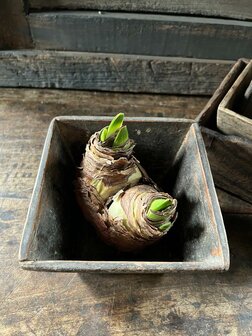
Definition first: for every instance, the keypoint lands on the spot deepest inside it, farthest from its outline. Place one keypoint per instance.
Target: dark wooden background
(164, 46)
(157, 58)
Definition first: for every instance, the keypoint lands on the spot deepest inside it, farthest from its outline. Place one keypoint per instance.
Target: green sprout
(153, 217)
(114, 126)
(121, 137)
(117, 135)
(160, 204)
(155, 212)
(103, 134)
(165, 226)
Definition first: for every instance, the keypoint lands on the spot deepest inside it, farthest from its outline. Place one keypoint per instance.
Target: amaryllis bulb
(117, 196)
(157, 212)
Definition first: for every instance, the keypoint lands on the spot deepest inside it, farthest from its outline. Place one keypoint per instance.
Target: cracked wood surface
(110, 72)
(110, 305)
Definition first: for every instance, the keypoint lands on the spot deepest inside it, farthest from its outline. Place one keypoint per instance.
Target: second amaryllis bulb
(141, 216)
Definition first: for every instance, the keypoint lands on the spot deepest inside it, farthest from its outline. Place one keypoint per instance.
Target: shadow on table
(239, 232)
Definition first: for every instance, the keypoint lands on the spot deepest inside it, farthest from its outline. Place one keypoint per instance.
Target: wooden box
(57, 238)
(230, 156)
(234, 115)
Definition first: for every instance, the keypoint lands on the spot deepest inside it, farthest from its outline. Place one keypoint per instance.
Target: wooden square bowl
(57, 238)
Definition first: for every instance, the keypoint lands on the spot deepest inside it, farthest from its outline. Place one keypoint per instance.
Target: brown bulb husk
(114, 168)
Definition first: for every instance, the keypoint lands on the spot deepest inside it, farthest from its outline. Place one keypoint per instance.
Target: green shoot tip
(115, 124)
(121, 137)
(160, 204)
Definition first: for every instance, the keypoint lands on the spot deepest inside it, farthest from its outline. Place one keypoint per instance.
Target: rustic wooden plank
(142, 34)
(132, 305)
(14, 30)
(232, 9)
(231, 204)
(230, 159)
(110, 72)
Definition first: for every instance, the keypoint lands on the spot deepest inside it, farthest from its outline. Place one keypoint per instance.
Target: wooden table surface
(87, 304)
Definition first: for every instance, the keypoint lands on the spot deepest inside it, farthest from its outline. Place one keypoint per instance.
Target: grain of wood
(230, 159)
(142, 34)
(231, 118)
(133, 305)
(233, 123)
(51, 103)
(231, 9)
(107, 72)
